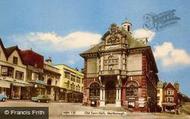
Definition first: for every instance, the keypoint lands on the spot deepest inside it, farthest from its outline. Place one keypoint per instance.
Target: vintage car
(3, 97)
(41, 98)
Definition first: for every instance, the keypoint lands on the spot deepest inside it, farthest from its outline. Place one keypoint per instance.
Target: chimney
(49, 60)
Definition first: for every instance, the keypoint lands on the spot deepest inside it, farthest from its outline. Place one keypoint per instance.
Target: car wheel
(38, 100)
(3, 99)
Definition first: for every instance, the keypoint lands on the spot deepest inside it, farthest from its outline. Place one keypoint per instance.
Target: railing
(51, 68)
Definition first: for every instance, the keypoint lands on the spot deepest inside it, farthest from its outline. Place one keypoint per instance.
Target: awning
(21, 84)
(39, 82)
(4, 84)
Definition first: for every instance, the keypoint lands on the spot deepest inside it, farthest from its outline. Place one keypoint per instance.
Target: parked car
(41, 98)
(3, 97)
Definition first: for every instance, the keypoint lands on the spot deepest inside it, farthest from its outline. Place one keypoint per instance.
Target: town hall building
(121, 71)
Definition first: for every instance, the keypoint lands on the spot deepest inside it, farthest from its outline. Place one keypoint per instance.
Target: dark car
(41, 98)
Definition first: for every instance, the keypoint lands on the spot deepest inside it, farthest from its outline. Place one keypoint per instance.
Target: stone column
(102, 96)
(66, 96)
(19, 92)
(32, 76)
(101, 63)
(120, 62)
(118, 93)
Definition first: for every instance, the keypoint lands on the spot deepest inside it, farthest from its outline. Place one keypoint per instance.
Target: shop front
(20, 90)
(16, 92)
(62, 94)
(38, 87)
(5, 87)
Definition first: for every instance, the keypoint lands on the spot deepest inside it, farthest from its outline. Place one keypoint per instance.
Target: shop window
(19, 75)
(94, 90)
(15, 60)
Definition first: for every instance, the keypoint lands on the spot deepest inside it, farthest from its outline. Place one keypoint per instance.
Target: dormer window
(15, 60)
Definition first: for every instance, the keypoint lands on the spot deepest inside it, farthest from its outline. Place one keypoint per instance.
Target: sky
(62, 29)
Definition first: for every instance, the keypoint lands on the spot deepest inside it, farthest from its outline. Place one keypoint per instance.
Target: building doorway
(110, 92)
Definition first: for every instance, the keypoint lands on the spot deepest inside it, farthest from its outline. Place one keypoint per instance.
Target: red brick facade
(130, 80)
(170, 97)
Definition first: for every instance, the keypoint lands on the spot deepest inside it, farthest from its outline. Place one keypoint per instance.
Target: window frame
(17, 73)
(15, 60)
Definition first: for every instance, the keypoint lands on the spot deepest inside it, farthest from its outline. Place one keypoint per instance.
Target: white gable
(2, 54)
(15, 54)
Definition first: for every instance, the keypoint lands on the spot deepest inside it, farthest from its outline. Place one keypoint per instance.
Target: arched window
(132, 89)
(94, 90)
(49, 81)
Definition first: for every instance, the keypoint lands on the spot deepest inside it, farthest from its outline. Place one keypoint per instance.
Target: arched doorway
(94, 93)
(110, 92)
(94, 90)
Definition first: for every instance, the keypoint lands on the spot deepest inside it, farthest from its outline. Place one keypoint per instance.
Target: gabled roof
(28, 57)
(169, 85)
(93, 49)
(32, 58)
(3, 47)
(132, 42)
(10, 50)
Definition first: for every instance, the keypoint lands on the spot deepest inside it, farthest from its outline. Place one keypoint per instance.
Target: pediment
(115, 35)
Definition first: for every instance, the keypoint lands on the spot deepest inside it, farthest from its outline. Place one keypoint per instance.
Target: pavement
(77, 111)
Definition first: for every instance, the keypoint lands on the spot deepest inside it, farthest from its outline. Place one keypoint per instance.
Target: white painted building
(12, 72)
